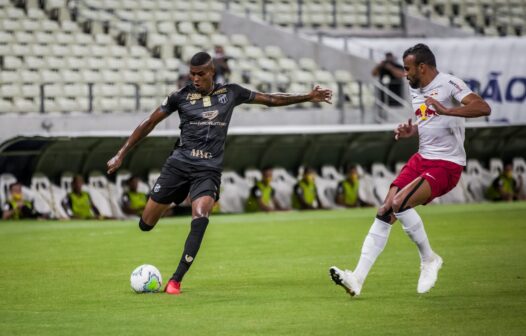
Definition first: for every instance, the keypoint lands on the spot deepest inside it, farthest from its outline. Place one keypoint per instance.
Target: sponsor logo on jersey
(157, 188)
(220, 91)
(201, 154)
(423, 112)
(455, 85)
(193, 97)
(210, 115)
(223, 98)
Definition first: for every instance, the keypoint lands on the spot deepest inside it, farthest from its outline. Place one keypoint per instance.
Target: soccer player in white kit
(441, 102)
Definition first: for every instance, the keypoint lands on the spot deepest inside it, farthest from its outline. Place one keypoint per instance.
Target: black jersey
(204, 121)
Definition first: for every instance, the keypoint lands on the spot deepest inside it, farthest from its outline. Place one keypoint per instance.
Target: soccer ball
(146, 279)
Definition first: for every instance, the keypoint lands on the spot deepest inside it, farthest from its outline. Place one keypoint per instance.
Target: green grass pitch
(266, 274)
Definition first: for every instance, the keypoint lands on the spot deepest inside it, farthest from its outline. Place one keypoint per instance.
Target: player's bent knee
(386, 217)
(143, 226)
(397, 203)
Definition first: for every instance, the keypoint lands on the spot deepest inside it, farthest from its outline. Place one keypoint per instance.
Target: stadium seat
(6, 180)
(327, 192)
(50, 193)
(231, 200)
(104, 195)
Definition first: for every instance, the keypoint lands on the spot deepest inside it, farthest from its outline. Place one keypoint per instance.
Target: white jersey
(441, 137)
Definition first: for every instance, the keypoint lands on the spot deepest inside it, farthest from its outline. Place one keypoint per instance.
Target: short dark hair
(422, 54)
(131, 178)
(201, 58)
(12, 185)
(308, 169)
(349, 167)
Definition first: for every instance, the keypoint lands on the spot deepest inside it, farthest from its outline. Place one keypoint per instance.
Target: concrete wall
(12, 125)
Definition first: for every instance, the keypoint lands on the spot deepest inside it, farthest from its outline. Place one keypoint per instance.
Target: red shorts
(442, 175)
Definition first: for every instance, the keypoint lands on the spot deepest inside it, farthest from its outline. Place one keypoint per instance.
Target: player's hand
(405, 130)
(437, 106)
(319, 94)
(114, 163)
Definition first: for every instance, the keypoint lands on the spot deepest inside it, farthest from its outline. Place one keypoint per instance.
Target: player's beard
(414, 83)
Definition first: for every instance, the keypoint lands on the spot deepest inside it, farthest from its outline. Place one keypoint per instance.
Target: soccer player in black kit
(195, 166)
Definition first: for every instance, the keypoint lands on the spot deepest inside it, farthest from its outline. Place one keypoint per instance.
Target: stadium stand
(484, 17)
(125, 55)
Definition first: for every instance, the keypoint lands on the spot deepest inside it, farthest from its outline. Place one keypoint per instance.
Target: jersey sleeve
(170, 104)
(459, 89)
(242, 95)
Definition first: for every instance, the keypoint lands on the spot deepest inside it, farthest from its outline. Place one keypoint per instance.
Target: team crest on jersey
(210, 115)
(433, 93)
(223, 98)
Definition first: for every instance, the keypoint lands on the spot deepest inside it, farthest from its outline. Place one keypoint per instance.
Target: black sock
(143, 226)
(191, 247)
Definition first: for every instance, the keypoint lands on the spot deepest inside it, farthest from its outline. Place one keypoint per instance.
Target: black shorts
(178, 178)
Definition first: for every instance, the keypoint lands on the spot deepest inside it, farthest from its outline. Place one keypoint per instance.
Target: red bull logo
(424, 112)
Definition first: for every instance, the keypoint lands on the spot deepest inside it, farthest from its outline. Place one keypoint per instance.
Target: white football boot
(429, 274)
(347, 280)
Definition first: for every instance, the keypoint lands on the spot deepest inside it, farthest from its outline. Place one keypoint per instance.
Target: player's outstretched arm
(317, 95)
(473, 106)
(144, 128)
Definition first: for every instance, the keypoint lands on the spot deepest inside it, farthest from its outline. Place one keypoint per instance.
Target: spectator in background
(390, 75)
(133, 201)
(505, 187)
(262, 195)
(78, 203)
(18, 207)
(347, 190)
(221, 65)
(305, 196)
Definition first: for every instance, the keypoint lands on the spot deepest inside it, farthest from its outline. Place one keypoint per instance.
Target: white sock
(373, 245)
(414, 228)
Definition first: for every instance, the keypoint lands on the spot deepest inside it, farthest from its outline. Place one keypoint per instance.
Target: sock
(191, 247)
(414, 228)
(373, 245)
(143, 226)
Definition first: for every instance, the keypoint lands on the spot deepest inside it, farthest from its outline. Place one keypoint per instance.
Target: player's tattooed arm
(473, 106)
(144, 128)
(317, 95)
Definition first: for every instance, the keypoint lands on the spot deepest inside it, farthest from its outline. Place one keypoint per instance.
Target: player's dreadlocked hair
(422, 54)
(201, 58)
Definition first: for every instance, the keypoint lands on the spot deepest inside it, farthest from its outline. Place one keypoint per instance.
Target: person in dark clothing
(195, 165)
(390, 75)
